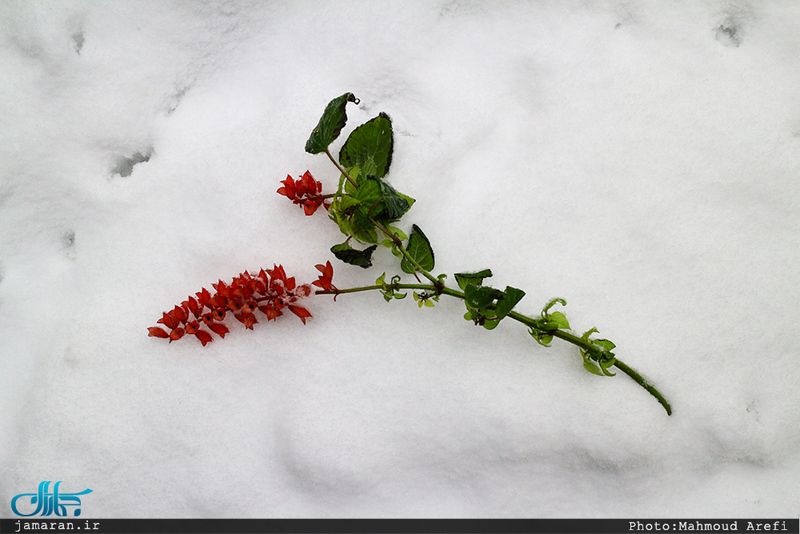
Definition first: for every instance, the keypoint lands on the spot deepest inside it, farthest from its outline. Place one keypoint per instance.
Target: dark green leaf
(464, 279)
(481, 296)
(361, 258)
(511, 296)
(419, 248)
(394, 205)
(330, 124)
(370, 142)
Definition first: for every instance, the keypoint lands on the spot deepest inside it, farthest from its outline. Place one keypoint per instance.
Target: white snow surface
(639, 159)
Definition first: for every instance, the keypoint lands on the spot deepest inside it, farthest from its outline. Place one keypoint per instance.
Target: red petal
(310, 206)
(192, 327)
(180, 314)
(168, 321)
(157, 331)
(195, 307)
(301, 312)
(176, 334)
(219, 329)
(204, 337)
(326, 270)
(270, 312)
(204, 297)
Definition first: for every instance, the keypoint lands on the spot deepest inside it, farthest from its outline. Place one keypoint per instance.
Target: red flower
(269, 292)
(306, 192)
(325, 279)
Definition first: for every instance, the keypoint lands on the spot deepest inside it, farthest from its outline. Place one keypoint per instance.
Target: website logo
(50, 503)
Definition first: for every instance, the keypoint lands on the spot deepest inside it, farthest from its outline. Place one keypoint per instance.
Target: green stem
(530, 322)
(438, 286)
(341, 169)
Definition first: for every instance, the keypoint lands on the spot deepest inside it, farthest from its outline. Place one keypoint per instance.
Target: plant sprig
(367, 209)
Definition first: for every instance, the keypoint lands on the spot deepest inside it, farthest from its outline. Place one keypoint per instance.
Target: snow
(639, 160)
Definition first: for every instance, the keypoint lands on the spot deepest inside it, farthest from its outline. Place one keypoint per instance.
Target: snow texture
(639, 159)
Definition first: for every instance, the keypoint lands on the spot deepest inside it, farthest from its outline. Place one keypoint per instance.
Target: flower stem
(530, 322)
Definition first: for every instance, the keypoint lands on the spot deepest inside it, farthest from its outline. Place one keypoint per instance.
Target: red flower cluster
(306, 192)
(268, 292)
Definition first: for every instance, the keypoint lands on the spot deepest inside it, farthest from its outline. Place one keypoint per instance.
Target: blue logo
(50, 503)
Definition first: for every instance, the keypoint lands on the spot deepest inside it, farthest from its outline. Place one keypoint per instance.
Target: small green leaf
(491, 324)
(464, 279)
(552, 303)
(604, 343)
(560, 319)
(511, 296)
(592, 367)
(588, 333)
(330, 124)
(605, 364)
(541, 337)
(419, 248)
(346, 253)
(371, 142)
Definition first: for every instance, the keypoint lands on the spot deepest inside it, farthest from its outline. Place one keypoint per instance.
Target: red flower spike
(157, 331)
(268, 292)
(204, 337)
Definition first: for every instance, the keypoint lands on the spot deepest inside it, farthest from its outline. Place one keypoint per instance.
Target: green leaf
(371, 142)
(560, 319)
(481, 296)
(464, 279)
(491, 324)
(394, 205)
(540, 337)
(592, 367)
(419, 248)
(346, 253)
(511, 296)
(588, 333)
(330, 124)
(605, 364)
